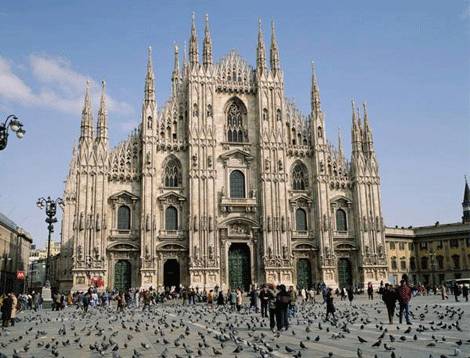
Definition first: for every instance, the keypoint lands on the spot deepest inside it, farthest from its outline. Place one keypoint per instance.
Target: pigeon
(362, 340)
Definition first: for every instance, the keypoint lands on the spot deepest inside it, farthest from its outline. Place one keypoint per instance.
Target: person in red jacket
(404, 297)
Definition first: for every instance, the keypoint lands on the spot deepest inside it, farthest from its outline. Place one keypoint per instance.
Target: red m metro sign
(20, 275)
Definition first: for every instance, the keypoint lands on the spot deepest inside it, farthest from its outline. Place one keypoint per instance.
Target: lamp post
(51, 210)
(11, 122)
(5, 260)
(432, 256)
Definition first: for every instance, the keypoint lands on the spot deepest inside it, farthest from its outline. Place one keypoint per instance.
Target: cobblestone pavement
(440, 329)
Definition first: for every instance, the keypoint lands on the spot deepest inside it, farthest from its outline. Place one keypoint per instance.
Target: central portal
(171, 273)
(344, 273)
(239, 266)
(122, 275)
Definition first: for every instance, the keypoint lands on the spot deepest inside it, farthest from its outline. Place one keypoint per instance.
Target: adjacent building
(15, 247)
(431, 255)
(227, 184)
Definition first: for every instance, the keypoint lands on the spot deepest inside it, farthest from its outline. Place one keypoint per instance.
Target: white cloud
(59, 86)
(466, 12)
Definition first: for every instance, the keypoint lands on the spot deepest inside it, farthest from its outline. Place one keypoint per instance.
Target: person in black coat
(390, 297)
(220, 298)
(330, 307)
(6, 310)
(282, 305)
(350, 293)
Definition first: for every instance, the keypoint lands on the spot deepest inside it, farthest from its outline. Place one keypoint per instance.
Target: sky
(409, 60)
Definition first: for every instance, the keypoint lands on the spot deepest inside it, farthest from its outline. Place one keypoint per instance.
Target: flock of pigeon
(175, 330)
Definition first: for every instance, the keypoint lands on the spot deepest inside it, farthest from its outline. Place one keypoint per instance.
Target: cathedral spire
(274, 54)
(193, 51)
(102, 125)
(260, 50)
(356, 130)
(149, 92)
(367, 140)
(315, 91)
(176, 72)
(340, 144)
(207, 46)
(466, 204)
(86, 126)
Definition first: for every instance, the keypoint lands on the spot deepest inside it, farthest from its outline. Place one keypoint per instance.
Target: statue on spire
(274, 54)
(260, 50)
(102, 125)
(149, 91)
(86, 126)
(193, 51)
(315, 91)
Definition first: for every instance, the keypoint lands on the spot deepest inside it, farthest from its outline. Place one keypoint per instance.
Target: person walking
(444, 292)
(120, 302)
(404, 297)
(271, 303)
(14, 308)
(264, 298)
(6, 310)
(390, 297)
(370, 291)
(233, 299)
(330, 307)
(350, 293)
(283, 299)
(456, 292)
(220, 298)
(239, 299)
(293, 301)
(86, 302)
(254, 299)
(465, 292)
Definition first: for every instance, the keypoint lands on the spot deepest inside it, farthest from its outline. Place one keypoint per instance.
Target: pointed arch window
(236, 133)
(171, 218)
(300, 220)
(299, 177)
(237, 184)
(173, 174)
(341, 220)
(124, 218)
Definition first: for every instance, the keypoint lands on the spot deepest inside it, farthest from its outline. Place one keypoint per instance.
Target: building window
(299, 177)
(440, 262)
(439, 244)
(454, 243)
(394, 263)
(173, 174)
(235, 130)
(300, 220)
(341, 222)
(468, 241)
(412, 263)
(456, 261)
(171, 218)
(402, 264)
(124, 218)
(237, 184)
(401, 245)
(423, 245)
(411, 246)
(392, 245)
(424, 263)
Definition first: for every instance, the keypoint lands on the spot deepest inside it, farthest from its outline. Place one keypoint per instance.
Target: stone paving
(440, 329)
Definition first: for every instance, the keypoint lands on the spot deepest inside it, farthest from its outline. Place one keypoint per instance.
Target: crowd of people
(278, 303)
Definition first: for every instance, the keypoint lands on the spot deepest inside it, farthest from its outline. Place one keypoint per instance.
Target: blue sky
(408, 60)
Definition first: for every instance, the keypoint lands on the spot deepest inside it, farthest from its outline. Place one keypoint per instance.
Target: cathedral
(227, 184)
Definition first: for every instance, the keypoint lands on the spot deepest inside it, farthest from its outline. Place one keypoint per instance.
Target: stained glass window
(300, 220)
(172, 174)
(171, 218)
(341, 223)
(124, 218)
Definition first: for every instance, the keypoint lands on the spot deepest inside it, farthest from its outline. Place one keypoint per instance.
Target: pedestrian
(6, 310)
(282, 305)
(293, 301)
(239, 299)
(390, 297)
(271, 298)
(264, 298)
(14, 308)
(350, 293)
(233, 299)
(303, 294)
(210, 297)
(330, 307)
(85, 302)
(465, 292)
(220, 298)
(404, 297)
(254, 299)
(457, 292)
(120, 302)
(343, 294)
(146, 300)
(370, 291)
(444, 292)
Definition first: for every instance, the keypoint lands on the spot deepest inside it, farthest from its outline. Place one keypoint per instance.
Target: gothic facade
(227, 184)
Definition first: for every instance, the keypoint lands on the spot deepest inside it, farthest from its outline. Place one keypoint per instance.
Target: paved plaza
(440, 329)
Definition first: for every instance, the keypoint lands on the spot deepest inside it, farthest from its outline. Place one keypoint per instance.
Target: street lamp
(51, 210)
(5, 260)
(15, 125)
(432, 256)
